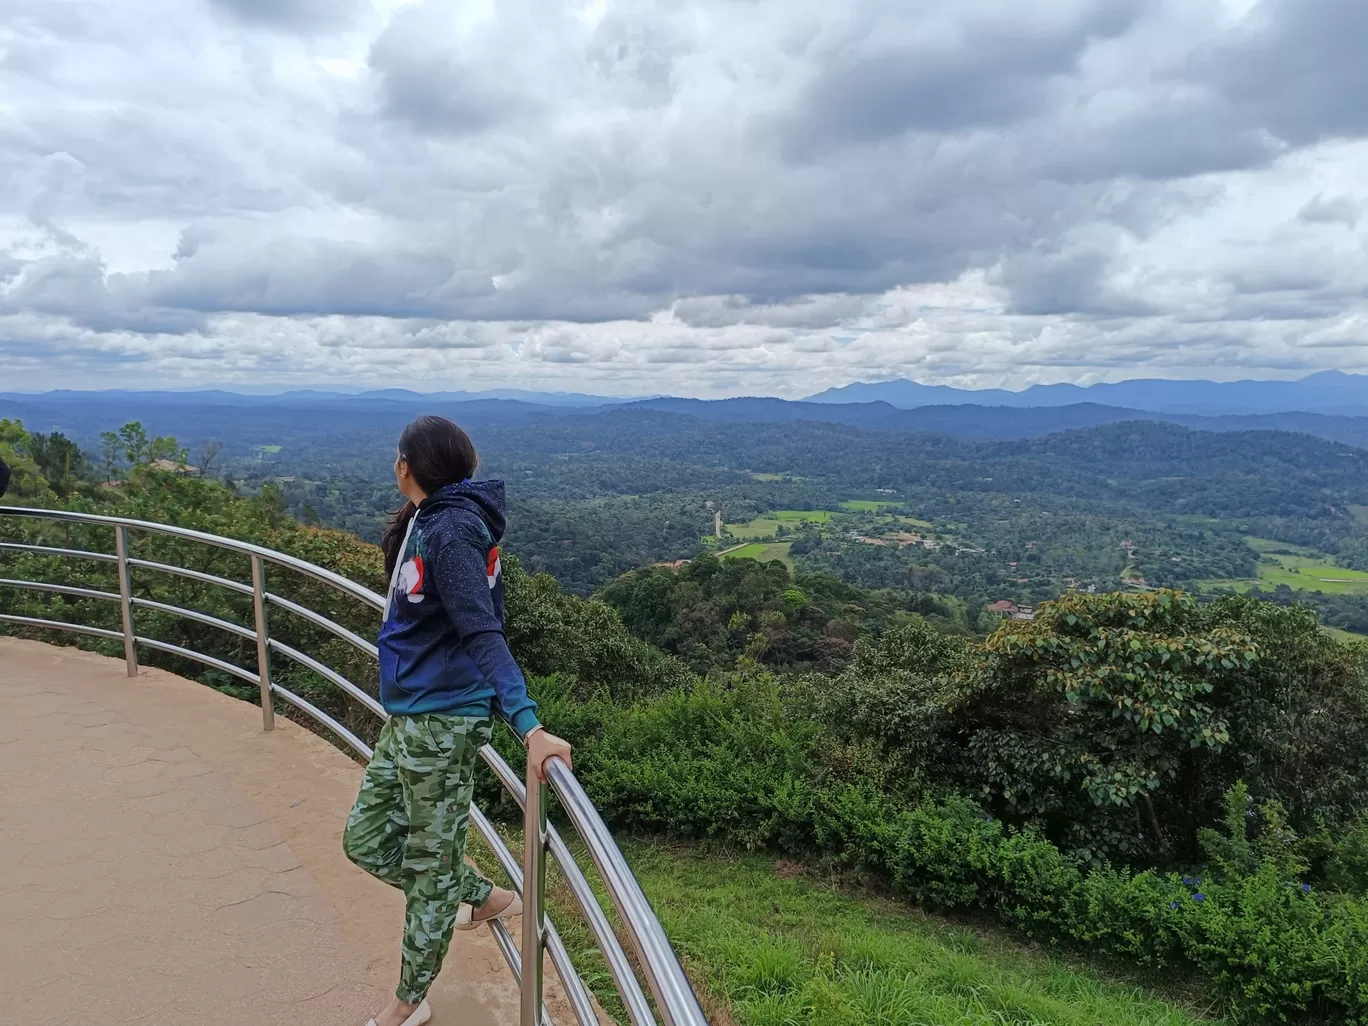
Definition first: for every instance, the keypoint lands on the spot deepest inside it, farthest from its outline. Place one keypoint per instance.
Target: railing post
(534, 906)
(126, 599)
(263, 640)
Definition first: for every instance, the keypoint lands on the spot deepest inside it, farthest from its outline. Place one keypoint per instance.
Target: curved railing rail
(674, 998)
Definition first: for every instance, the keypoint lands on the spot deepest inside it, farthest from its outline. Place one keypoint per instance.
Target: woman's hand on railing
(541, 746)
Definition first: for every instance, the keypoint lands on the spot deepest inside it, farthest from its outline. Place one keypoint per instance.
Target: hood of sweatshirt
(483, 498)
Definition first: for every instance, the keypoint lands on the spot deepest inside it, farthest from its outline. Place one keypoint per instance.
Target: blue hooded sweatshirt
(442, 644)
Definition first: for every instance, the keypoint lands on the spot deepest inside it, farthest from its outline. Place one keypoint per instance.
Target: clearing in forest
(762, 552)
(768, 526)
(1300, 568)
(868, 505)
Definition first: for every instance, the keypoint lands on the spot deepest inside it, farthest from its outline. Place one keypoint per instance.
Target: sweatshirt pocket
(390, 666)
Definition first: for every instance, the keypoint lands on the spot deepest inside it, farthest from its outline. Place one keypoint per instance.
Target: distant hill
(518, 394)
(1329, 392)
(963, 421)
(196, 416)
(262, 397)
(260, 419)
(996, 422)
(245, 421)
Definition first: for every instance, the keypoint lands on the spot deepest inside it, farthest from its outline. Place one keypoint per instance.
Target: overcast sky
(703, 197)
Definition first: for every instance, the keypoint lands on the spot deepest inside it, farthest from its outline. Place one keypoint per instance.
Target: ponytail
(394, 536)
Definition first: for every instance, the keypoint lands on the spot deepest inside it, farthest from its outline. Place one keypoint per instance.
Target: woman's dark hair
(438, 453)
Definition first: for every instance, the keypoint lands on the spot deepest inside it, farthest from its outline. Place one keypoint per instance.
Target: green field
(271, 450)
(767, 945)
(887, 521)
(868, 505)
(763, 552)
(1313, 573)
(803, 516)
(767, 527)
(762, 528)
(1301, 569)
(913, 522)
(1343, 635)
(1269, 546)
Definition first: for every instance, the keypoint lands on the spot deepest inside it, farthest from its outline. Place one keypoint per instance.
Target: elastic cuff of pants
(410, 997)
(482, 893)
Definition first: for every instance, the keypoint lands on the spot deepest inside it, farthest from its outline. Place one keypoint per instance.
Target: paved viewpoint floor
(165, 861)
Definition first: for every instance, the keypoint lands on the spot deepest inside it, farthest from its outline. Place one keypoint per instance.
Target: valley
(814, 721)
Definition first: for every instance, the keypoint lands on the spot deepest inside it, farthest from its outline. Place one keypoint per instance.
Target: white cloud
(693, 196)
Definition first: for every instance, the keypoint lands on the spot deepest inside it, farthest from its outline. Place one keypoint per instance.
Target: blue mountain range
(1330, 392)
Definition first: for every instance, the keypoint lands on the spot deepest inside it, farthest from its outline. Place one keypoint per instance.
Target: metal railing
(674, 999)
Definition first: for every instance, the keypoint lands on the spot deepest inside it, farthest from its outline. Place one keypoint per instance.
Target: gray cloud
(950, 190)
(437, 87)
(291, 14)
(1296, 68)
(1327, 210)
(990, 64)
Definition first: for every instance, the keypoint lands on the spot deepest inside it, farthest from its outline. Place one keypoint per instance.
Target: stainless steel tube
(673, 993)
(126, 599)
(628, 987)
(534, 897)
(337, 581)
(575, 990)
(263, 640)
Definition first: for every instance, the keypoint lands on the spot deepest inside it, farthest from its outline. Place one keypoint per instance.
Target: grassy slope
(777, 949)
(781, 950)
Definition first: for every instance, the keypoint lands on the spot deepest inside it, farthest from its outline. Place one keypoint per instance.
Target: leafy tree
(136, 445)
(585, 642)
(110, 452)
(209, 455)
(141, 451)
(715, 613)
(59, 459)
(26, 482)
(1115, 723)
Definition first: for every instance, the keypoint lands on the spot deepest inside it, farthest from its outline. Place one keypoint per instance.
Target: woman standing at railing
(445, 669)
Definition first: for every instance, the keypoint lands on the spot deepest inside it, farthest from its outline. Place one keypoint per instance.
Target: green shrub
(737, 765)
(1345, 860)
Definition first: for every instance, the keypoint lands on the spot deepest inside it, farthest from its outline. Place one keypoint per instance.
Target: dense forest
(595, 494)
(1129, 505)
(1020, 510)
(1172, 781)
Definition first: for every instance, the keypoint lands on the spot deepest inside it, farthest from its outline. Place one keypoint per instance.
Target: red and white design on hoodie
(493, 567)
(411, 575)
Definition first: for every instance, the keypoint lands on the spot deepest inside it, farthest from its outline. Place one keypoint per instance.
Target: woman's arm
(458, 567)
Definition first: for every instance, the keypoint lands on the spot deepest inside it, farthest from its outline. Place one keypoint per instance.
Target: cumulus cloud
(692, 195)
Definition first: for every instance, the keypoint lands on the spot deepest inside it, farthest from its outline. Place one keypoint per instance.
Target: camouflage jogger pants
(408, 828)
